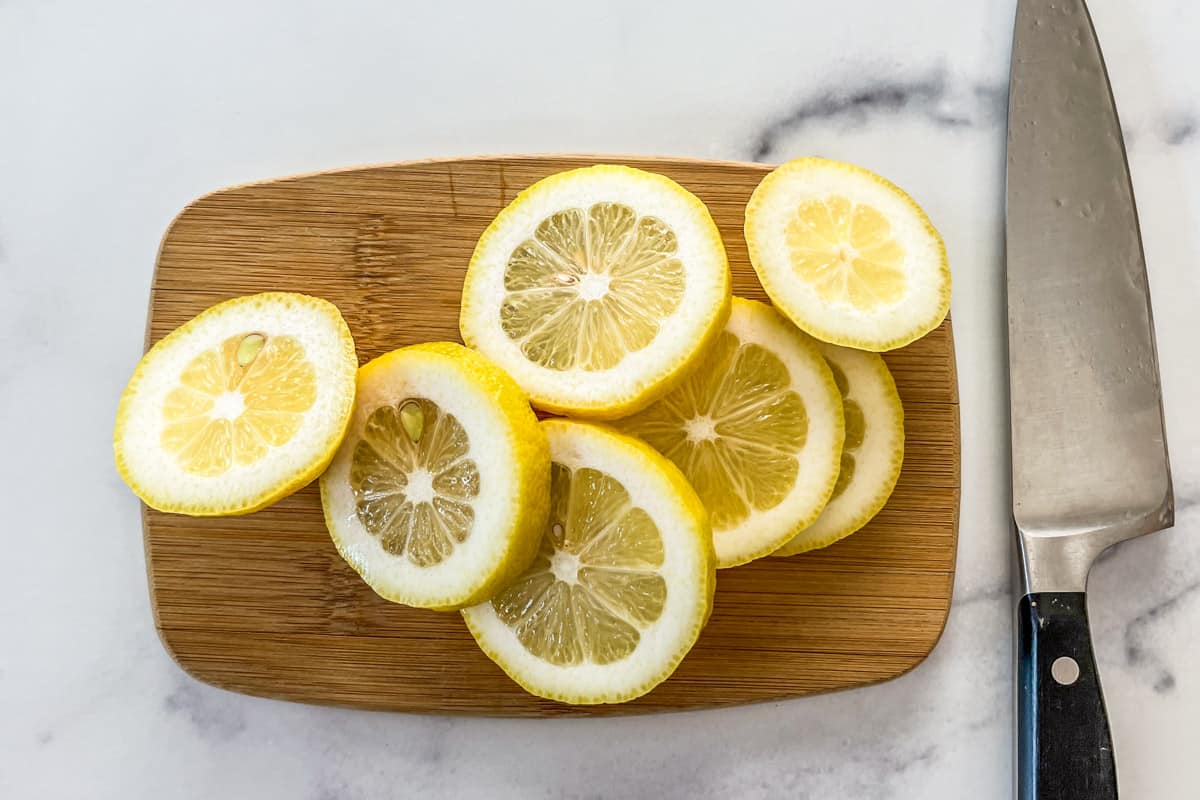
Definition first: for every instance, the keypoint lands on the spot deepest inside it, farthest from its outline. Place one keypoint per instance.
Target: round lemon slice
(239, 407)
(596, 289)
(846, 255)
(438, 495)
(873, 452)
(622, 584)
(757, 429)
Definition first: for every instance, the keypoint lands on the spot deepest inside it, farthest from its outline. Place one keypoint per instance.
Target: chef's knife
(1089, 455)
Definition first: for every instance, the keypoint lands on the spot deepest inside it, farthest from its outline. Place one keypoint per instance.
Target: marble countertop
(114, 115)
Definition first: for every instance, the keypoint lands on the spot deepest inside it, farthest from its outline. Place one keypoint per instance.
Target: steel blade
(1089, 451)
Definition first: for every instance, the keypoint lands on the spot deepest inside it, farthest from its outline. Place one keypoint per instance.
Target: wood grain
(263, 604)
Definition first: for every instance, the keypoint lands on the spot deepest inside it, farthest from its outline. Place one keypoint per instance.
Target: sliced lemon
(872, 454)
(846, 255)
(757, 430)
(596, 289)
(239, 407)
(623, 581)
(438, 495)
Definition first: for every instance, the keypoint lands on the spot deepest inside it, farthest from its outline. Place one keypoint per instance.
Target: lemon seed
(413, 420)
(249, 348)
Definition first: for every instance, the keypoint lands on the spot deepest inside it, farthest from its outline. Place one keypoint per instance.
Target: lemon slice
(237, 408)
(438, 495)
(757, 430)
(848, 256)
(872, 454)
(596, 289)
(623, 581)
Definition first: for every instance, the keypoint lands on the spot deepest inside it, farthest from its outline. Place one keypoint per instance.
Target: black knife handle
(1064, 750)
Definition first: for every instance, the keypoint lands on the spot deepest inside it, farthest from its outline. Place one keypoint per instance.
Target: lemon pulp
(847, 252)
(412, 482)
(733, 427)
(591, 286)
(234, 403)
(856, 428)
(594, 585)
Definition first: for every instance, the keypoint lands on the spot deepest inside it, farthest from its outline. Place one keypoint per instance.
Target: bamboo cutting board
(263, 604)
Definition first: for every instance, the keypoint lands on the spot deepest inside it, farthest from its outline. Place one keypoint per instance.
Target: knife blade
(1089, 453)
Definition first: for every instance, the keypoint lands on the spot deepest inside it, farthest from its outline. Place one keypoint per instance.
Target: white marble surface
(113, 115)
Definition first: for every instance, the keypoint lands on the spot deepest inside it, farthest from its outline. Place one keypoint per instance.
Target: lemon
(438, 495)
(623, 581)
(756, 429)
(872, 454)
(237, 408)
(596, 289)
(846, 255)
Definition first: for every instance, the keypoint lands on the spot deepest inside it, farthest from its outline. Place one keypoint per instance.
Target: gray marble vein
(214, 715)
(872, 101)
(1179, 128)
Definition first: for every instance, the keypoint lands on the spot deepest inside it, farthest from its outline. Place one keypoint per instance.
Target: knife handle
(1064, 749)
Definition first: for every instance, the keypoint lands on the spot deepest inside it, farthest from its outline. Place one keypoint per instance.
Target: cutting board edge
(595, 158)
(553, 710)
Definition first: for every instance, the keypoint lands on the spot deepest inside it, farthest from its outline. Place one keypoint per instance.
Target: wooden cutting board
(263, 604)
